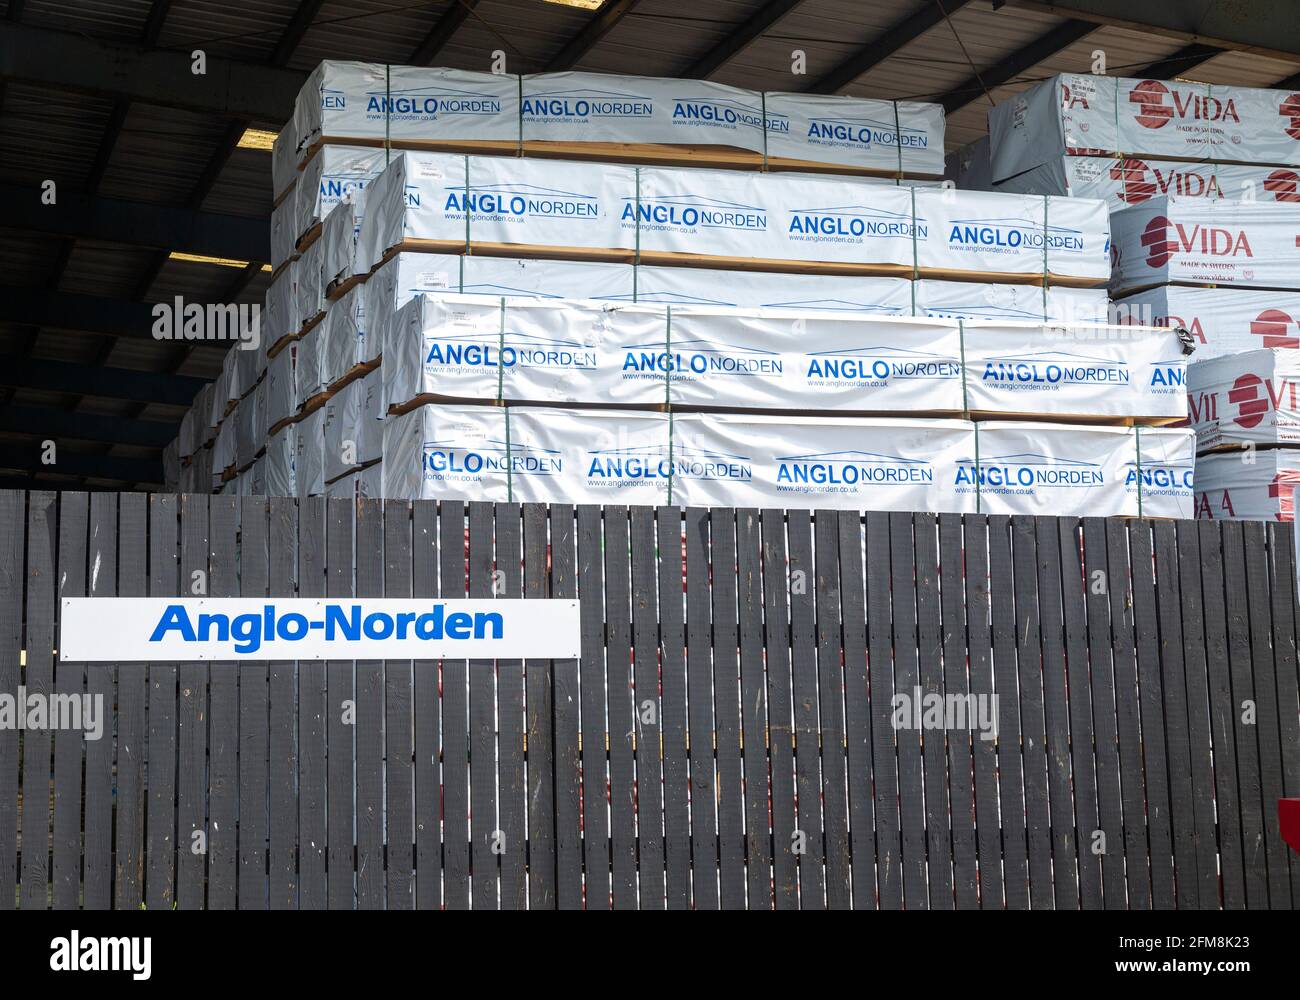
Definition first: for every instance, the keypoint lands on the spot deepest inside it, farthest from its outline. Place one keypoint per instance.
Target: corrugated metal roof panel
(49, 134)
(1244, 69)
(103, 269)
(117, 19)
(247, 30)
(244, 186)
(367, 31)
(681, 33)
(160, 154)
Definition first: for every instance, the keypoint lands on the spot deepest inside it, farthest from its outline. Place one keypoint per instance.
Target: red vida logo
(1275, 327)
(1285, 184)
(1156, 105)
(1163, 238)
(1290, 110)
(1186, 182)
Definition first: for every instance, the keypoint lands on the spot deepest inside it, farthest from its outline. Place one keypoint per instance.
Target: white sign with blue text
(130, 629)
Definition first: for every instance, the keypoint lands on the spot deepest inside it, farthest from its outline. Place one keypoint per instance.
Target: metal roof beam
(127, 470)
(162, 77)
(132, 223)
(600, 24)
(443, 28)
(46, 307)
(1264, 27)
(1044, 47)
(878, 50)
(48, 422)
(93, 380)
(740, 38)
(1177, 63)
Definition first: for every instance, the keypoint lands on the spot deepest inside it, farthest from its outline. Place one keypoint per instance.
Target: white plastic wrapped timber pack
(281, 398)
(1252, 398)
(283, 237)
(280, 318)
(560, 209)
(1104, 115)
(859, 463)
(171, 465)
(352, 426)
(1125, 181)
(309, 454)
(338, 240)
(1221, 320)
(250, 423)
(281, 457)
(284, 160)
(568, 351)
(310, 284)
(1205, 243)
(457, 109)
(308, 378)
(342, 335)
(362, 484)
(336, 174)
(1247, 486)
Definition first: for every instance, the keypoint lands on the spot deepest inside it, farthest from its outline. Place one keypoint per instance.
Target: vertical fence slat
(1197, 693)
(857, 712)
(649, 739)
(510, 710)
(13, 569)
(69, 747)
(1151, 699)
(907, 679)
(1267, 727)
(785, 872)
(753, 711)
(622, 720)
(938, 825)
(164, 581)
(952, 593)
(984, 747)
(455, 720)
(254, 733)
(1221, 713)
(565, 698)
(1065, 874)
(132, 731)
(399, 737)
(537, 677)
(1119, 585)
(726, 697)
(38, 681)
(97, 893)
(482, 725)
(191, 717)
(1012, 798)
(703, 780)
(1178, 746)
(1032, 711)
(282, 793)
(1281, 548)
(595, 804)
(223, 716)
(880, 678)
(1097, 586)
(1079, 697)
(830, 691)
(801, 583)
(313, 827)
(427, 718)
(371, 885)
(672, 682)
(340, 691)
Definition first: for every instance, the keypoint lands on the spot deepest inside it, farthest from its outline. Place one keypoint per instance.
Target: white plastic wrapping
(280, 458)
(171, 464)
(405, 103)
(982, 300)
(803, 218)
(334, 175)
(604, 456)
(310, 284)
(250, 422)
(186, 437)
(1101, 115)
(280, 317)
(1221, 320)
(1249, 398)
(308, 378)
(353, 428)
(1204, 243)
(1131, 180)
(342, 335)
(284, 159)
(905, 136)
(309, 454)
(283, 224)
(339, 234)
(561, 352)
(1263, 489)
(225, 445)
(281, 396)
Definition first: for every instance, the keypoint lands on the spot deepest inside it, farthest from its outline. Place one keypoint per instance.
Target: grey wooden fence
(728, 737)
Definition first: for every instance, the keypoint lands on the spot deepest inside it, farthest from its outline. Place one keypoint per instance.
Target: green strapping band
(636, 219)
(898, 142)
(914, 269)
(519, 77)
(1137, 439)
(388, 110)
(510, 460)
(762, 97)
(501, 350)
(979, 506)
(965, 392)
(668, 349)
(467, 203)
(1045, 263)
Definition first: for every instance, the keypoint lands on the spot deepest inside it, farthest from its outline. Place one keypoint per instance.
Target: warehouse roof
(153, 166)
